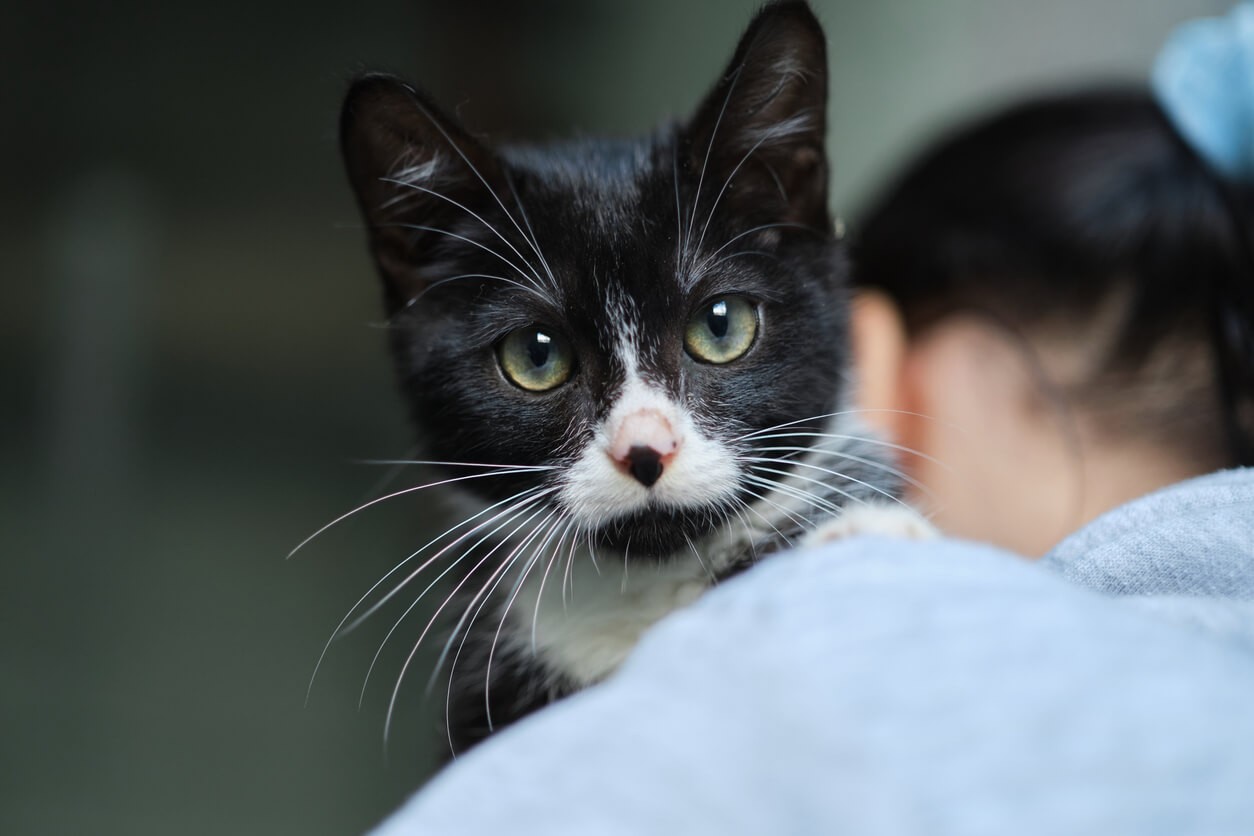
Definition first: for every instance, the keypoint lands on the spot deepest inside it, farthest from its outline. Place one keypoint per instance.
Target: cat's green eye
(535, 358)
(721, 330)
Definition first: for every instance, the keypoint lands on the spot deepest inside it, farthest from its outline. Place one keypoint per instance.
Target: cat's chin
(656, 533)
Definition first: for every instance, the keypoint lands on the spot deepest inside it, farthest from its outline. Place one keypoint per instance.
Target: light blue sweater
(880, 686)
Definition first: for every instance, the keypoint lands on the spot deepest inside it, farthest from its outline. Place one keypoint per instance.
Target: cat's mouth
(656, 532)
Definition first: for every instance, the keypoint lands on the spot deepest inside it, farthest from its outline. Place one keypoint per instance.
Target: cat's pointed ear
(416, 173)
(762, 128)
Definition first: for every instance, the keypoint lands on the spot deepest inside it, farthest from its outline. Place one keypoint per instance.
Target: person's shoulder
(1194, 538)
(823, 688)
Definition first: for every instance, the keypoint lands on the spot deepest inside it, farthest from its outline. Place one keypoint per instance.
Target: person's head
(1059, 307)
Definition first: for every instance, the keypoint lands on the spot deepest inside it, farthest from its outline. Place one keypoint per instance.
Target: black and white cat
(634, 351)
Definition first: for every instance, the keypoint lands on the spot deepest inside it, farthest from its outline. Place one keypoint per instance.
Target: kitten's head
(620, 313)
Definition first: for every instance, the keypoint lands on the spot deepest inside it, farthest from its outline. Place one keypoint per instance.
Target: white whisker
(339, 628)
(828, 471)
(531, 236)
(770, 133)
(485, 593)
(742, 253)
(693, 548)
(679, 214)
(465, 240)
(760, 228)
(748, 527)
(696, 200)
(481, 597)
(558, 517)
(522, 501)
(387, 723)
(516, 512)
(393, 495)
(863, 439)
(794, 491)
(527, 288)
(827, 451)
(570, 562)
(557, 549)
(436, 123)
(801, 523)
(472, 214)
(503, 467)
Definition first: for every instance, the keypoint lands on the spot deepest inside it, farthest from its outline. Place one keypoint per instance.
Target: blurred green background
(190, 372)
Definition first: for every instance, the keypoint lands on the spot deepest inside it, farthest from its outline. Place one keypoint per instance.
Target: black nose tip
(645, 464)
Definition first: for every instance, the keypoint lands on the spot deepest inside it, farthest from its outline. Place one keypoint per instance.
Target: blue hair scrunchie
(1204, 80)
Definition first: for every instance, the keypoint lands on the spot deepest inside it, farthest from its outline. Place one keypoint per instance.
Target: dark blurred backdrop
(190, 373)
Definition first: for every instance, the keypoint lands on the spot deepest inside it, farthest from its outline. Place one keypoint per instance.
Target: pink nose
(644, 444)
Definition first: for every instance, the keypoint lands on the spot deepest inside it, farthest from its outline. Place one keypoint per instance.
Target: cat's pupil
(717, 319)
(538, 348)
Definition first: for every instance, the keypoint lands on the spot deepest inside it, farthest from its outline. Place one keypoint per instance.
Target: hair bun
(1204, 80)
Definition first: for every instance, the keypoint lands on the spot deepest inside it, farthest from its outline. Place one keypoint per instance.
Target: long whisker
(592, 553)
(749, 528)
(387, 723)
(695, 553)
(393, 495)
(528, 288)
(855, 411)
(339, 628)
(679, 214)
(465, 240)
(822, 416)
(472, 214)
(515, 513)
(485, 593)
(696, 200)
(741, 254)
(481, 597)
(384, 480)
(828, 471)
(521, 500)
(865, 440)
(570, 562)
(788, 541)
(801, 523)
(557, 550)
(436, 123)
(770, 133)
(827, 451)
(761, 228)
(531, 236)
(793, 491)
(509, 603)
(518, 467)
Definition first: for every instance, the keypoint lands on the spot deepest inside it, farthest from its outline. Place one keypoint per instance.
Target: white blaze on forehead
(698, 470)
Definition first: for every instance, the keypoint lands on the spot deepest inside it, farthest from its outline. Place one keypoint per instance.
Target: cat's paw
(880, 519)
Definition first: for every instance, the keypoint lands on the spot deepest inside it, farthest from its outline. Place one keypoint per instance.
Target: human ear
(879, 354)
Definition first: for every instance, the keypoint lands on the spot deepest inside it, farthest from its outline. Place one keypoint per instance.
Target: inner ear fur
(764, 124)
(416, 172)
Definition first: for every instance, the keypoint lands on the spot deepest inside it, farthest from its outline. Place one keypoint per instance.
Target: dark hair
(1059, 208)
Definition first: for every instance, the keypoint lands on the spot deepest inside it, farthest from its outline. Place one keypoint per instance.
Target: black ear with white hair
(417, 173)
(761, 130)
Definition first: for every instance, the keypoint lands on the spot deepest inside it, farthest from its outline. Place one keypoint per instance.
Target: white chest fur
(585, 623)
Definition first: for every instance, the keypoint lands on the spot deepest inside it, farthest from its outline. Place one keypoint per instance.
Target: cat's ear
(416, 173)
(761, 129)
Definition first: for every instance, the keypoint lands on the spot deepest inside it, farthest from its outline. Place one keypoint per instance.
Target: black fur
(611, 218)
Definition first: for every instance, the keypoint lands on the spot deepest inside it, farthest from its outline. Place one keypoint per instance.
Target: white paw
(882, 519)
